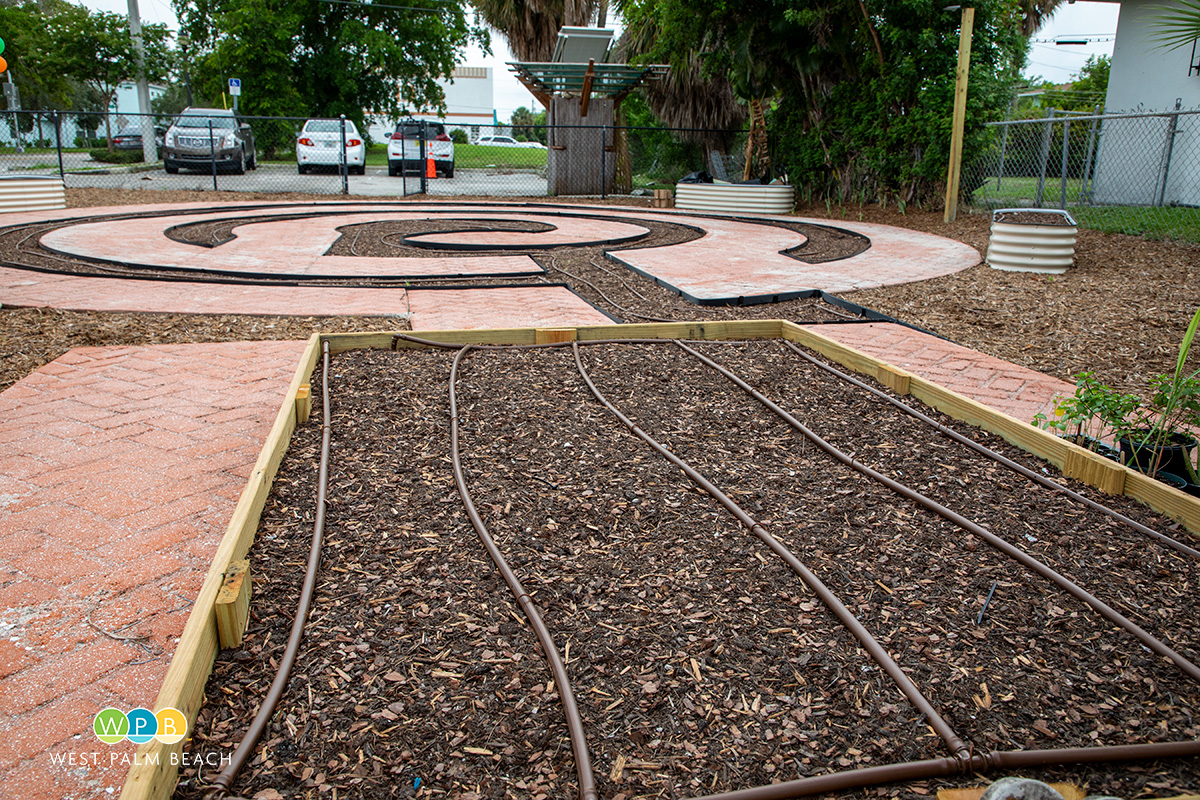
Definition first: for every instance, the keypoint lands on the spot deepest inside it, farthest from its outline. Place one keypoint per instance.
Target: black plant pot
(1175, 456)
(1097, 446)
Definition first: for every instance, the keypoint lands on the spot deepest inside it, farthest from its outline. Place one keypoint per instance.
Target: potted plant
(1155, 437)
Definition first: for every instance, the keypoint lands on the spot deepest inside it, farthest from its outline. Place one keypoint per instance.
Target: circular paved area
(728, 260)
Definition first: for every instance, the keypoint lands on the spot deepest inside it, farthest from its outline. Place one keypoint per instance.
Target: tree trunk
(758, 156)
(623, 179)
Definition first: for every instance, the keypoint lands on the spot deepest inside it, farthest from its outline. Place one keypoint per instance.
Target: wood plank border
(156, 765)
(155, 769)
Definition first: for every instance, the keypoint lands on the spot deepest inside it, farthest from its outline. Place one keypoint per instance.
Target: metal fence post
(1168, 151)
(603, 162)
(1047, 133)
(1062, 199)
(58, 144)
(1085, 189)
(424, 155)
(342, 157)
(212, 151)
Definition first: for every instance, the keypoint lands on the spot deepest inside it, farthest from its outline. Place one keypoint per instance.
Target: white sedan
(319, 142)
(507, 141)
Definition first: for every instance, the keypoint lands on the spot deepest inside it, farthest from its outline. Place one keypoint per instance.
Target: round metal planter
(1032, 240)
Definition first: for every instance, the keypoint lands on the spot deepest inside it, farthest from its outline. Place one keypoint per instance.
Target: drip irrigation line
(607, 299)
(583, 762)
(997, 457)
(955, 743)
(1018, 555)
(978, 763)
(224, 782)
(618, 277)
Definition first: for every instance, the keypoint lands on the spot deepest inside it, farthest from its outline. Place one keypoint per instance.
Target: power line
(369, 6)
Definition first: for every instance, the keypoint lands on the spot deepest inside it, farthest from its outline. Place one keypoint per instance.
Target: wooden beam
(960, 113)
(538, 94)
(585, 96)
(233, 604)
(303, 404)
(548, 335)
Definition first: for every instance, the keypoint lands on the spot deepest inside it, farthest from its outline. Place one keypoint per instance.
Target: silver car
(201, 137)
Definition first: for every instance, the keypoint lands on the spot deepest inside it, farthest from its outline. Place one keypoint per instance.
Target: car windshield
(130, 131)
(197, 120)
(412, 130)
(328, 126)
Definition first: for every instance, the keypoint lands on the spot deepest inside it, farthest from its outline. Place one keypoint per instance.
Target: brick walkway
(1017, 391)
(734, 258)
(120, 471)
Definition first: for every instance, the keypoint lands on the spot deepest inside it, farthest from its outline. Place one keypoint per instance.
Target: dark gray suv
(187, 144)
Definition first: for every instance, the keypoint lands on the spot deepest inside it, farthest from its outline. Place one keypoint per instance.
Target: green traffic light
(1, 45)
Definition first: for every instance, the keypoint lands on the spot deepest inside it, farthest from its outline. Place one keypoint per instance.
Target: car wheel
(300, 168)
(393, 170)
(171, 168)
(449, 171)
(253, 160)
(361, 169)
(239, 166)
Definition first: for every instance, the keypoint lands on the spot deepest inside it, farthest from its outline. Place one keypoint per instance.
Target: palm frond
(1176, 25)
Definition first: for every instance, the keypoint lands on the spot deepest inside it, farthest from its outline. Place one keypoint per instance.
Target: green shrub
(116, 156)
(459, 136)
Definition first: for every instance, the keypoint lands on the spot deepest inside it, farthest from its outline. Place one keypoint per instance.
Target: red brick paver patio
(1017, 391)
(120, 470)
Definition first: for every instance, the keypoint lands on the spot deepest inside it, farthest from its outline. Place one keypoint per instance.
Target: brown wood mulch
(700, 662)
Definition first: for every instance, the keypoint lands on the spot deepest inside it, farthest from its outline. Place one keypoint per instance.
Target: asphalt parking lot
(285, 178)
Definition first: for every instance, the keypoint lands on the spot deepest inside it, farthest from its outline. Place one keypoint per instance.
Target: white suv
(404, 149)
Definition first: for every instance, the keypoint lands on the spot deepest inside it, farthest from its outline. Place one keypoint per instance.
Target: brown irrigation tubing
(224, 781)
(869, 643)
(583, 761)
(992, 454)
(944, 767)
(1105, 610)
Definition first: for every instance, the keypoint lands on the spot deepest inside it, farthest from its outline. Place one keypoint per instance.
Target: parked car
(130, 138)
(319, 141)
(404, 148)
(187, 144)
(507, 141)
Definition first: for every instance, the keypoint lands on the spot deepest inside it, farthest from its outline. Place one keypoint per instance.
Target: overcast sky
(1056, 63)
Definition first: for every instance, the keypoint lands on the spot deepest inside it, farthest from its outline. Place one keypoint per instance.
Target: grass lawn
(476, 156)
(1166, 222)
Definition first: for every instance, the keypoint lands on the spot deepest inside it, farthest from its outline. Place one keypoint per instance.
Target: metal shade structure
(581, 45)
(549, 79)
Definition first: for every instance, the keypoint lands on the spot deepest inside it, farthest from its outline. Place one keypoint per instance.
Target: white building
(1155, 159)
(469, 104)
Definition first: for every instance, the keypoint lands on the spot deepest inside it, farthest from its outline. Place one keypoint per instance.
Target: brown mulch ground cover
(701, 663)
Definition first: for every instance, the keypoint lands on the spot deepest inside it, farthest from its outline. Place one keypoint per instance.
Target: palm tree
(531, 26)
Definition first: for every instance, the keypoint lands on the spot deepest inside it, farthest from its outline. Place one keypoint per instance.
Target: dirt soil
(700, 662)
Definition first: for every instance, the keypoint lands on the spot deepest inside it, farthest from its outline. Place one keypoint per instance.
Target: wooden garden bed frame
(154, 773)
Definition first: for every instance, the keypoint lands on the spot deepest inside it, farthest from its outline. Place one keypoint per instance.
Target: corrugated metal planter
(1032, 240)
(736, 198)
(31, 193)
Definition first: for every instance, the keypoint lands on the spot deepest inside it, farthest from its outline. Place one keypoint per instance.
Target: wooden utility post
(960, 113)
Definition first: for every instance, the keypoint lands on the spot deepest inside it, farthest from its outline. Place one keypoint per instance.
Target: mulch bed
(700, 662)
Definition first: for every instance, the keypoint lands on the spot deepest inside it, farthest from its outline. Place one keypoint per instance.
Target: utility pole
(146, 122)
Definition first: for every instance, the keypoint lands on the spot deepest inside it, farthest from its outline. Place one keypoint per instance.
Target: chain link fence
(1124, 173)
(410, 157)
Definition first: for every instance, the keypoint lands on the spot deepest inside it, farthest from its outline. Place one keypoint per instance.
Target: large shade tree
(859, 93)
(323, 58)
